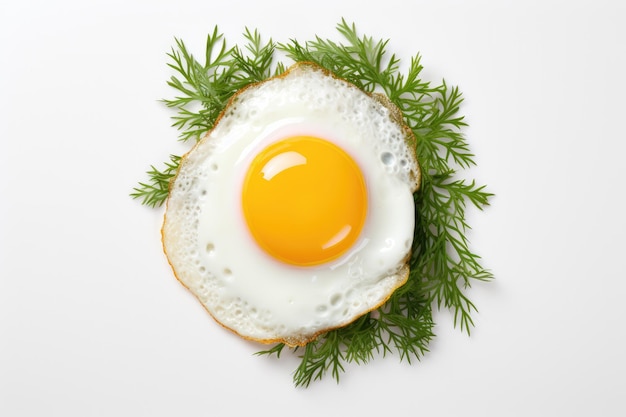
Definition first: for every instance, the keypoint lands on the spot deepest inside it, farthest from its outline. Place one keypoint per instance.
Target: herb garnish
(442, 265)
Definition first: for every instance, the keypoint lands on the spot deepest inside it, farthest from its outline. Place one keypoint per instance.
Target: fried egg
(295, 215)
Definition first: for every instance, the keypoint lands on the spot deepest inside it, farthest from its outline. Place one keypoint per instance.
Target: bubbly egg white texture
(209, 243)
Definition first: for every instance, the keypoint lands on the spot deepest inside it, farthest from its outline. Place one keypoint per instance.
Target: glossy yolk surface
(304, 200)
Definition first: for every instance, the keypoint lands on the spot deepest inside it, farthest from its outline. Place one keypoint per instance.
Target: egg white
(213, 253)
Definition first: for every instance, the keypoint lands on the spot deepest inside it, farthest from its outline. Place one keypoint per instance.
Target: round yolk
(304, 200)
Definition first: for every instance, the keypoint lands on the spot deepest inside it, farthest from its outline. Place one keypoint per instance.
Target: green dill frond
(361, 61)
(443, 261)
(256, 64)
(321, 356)
(155, 192)
(203, 88)
(442, 264)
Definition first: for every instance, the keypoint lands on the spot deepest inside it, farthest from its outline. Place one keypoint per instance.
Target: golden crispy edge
(396, 115)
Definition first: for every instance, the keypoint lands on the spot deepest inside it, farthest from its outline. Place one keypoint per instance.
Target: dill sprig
(155, 192)
(442, 265)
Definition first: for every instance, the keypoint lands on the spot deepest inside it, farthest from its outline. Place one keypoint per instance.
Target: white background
(92, 321)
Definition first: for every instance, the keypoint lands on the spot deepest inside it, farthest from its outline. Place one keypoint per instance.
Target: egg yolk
(304, 200)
